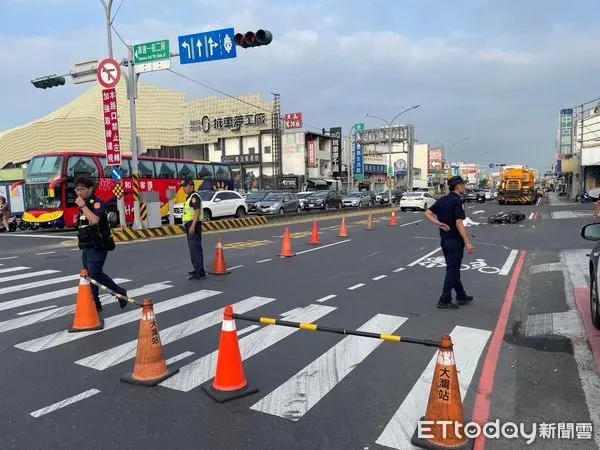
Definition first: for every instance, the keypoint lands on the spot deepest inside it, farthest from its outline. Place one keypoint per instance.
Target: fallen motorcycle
(507, 217)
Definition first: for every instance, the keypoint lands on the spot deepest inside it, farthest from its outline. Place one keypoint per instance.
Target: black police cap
(453, 181)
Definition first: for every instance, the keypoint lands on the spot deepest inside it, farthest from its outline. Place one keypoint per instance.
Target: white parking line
(324, 299)
(356, 286)
(65, 402)
(264, 260)
(236, 267)
(8, 257)
(399, 269)
(411, 223)
(323, 246)
(380, 277)
(46, 253)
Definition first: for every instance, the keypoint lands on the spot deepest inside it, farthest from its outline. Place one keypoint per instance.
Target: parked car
(416, 200)
(470, 195)
(253, 199)
(280, 203)
(223, 204)
(384, 197)
(302, 197)
(356, 199)
(591, 232)
(323, 200)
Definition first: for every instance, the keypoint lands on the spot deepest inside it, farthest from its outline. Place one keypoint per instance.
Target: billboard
(435, 158)
(293, 120)
(336, 149)
(312, 154)
(566, 131)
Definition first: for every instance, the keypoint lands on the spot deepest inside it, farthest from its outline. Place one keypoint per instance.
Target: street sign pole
(132, 89)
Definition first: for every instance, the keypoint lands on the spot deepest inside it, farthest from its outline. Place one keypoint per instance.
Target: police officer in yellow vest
(192, 221)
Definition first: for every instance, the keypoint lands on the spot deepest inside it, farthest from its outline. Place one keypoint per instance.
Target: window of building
(251, 150)
(267, 149)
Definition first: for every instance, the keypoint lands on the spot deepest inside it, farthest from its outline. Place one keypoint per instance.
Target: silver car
(279, 203)
(356, 199)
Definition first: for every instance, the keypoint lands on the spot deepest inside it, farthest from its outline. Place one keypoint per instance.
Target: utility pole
(132, 81)
(409, 157)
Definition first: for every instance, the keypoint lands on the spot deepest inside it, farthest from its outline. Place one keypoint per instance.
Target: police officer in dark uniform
(193, 215)
(448, 214)
(94, 238)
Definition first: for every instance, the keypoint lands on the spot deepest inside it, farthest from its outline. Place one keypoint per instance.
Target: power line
(116, 12)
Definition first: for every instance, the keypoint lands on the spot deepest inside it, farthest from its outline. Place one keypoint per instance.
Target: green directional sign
(390, 172)
(359, 126)
(151, 51)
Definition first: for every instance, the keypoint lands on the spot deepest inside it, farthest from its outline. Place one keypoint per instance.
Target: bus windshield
(36, 197)
(44, 169)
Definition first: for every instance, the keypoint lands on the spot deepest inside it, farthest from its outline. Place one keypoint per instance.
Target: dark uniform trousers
(453, 249)
(93, 260)
(195, 246)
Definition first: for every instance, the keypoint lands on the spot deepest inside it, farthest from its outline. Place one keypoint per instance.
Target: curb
(129, 235)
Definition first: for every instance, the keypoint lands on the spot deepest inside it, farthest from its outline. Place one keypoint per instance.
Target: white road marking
(356, 286)
(531, 215)
(39, 236)
(399, 269)
(539, 201)
(563, 215)
(247, 330)
(179, 357)
(509, 262)
(121, 353)
(63, 337)
(469, 343)
(8, 257)
(577, 264)
(324, 299)
(20, 322)
(28, 275)
(203, 369)
(24, 313)
(13, 269)
(550, 267)
(263, 260)
(294, 398)
(411, 223)
(236, 267)
(414, 263)
(46, 253)
(287, 313)
(65, 402)
(380, 277)
(36, 284)
(322, 247)
(478, 212)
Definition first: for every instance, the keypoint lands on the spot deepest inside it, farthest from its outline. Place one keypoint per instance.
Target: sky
(495, 71)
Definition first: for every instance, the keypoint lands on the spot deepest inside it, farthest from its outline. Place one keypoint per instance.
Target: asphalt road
(519, 348)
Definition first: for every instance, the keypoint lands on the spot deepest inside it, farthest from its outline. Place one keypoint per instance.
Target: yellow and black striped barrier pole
(122, 297)
(136, 187)
(315, 327)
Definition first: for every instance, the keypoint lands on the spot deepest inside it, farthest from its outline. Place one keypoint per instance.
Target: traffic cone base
(444, 406)
(426, 444)
(219, 267)
(225, 396)
(86, 318)
(150, 366)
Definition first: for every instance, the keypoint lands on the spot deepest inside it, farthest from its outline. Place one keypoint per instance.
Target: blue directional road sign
(209, 46)
(117, 175)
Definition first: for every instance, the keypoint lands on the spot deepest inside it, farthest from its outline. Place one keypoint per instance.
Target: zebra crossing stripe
(294, 398)
(27, 275)
(14, 269)
(37, 284)
(126, 351)
(20, 322)
(63, 337)
(468, 346)
(197, 372)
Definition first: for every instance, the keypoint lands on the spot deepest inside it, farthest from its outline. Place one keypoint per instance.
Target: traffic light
(251, 39)
(49, 81)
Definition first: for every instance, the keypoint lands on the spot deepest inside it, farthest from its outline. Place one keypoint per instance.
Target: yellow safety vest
(188, 210)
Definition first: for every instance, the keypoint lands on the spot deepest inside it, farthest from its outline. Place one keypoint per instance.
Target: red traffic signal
(251, 39)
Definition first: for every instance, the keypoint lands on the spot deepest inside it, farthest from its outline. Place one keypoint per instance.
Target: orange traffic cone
(286, 245)
(219, 267)
(314, 239)
(393, 220)
(370, 223)
(230, 382)
(343, 231)
(150, 366)
(86, 317)
(445, 404)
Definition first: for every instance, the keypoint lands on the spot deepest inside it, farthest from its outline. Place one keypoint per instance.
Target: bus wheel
(112, 214)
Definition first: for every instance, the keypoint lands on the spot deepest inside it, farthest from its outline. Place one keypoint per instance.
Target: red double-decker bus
(49, 189)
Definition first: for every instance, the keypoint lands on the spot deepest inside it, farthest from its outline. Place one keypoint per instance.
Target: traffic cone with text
(86, 317)
(286, 245)
(370, 223)
(230, 381)
(343, 231)
(393, 220)
(314, 239)
(150, 366)
(219, 267)
(445, 404)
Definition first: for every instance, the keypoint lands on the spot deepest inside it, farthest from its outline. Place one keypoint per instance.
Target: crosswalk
(302, 388)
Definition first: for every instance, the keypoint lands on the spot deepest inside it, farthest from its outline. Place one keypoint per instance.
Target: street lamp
(389, 124)
(107, 4)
